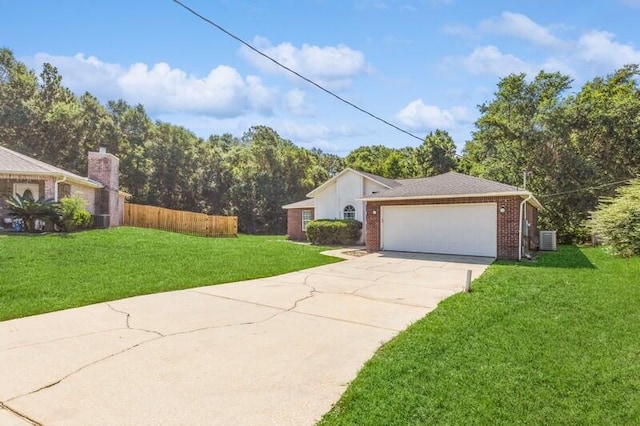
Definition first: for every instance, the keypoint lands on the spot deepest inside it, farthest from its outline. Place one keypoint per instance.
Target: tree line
(567, 142)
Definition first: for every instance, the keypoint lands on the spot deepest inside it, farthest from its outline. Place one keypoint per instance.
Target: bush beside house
(616, 221)
(334, 232)
(74, 214)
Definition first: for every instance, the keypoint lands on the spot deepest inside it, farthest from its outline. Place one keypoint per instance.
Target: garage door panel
(466, 229)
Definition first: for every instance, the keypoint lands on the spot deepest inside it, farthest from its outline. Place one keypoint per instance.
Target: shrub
(74, 214)
(30, 210)
(616, 221)
(334, 232)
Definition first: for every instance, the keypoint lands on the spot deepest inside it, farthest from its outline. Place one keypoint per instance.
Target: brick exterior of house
(507, 222)
(294, 224)
(104, 168)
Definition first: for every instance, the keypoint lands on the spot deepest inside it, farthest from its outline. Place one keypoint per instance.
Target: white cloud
(334, 65)
(222, 93)
(489, 60)
(521, 26)
(599, 48)
(295, 102)
(419, 116)
(591, 52)
(83, 73)
(559, 64)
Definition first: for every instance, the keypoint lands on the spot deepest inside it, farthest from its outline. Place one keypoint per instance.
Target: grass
(43, 273)
(552, 342)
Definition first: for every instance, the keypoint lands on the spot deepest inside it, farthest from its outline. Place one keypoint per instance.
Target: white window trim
(344, 211)
(305, 222)
(19, 188)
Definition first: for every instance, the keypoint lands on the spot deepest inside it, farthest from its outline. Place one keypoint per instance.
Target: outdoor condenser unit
(101, 221)
(548, 240)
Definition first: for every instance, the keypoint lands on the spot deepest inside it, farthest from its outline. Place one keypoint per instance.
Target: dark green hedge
(334, 232)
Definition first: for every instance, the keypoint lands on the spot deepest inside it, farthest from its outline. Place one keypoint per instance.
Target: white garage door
(465, 229)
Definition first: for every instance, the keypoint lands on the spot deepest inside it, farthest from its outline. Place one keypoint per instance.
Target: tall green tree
(368, 159)
(436, 155)
(173, 156)
(268, 172)
(19, 110)
(514, 127)
(571, 145)
(137, 134)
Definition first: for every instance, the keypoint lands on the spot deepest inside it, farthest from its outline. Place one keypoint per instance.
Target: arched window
(349, 212)
(28, 195)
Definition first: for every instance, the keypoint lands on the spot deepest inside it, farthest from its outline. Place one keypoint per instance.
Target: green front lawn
(43, 273)
(550, 343)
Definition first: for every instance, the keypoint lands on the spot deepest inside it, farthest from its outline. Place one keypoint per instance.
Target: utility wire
(308, 80)
(586, 189)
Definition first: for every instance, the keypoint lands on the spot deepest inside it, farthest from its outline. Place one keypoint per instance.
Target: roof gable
(386, 182)
(12, 162)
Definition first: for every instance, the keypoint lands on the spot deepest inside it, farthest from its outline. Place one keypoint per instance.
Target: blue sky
(421, 64)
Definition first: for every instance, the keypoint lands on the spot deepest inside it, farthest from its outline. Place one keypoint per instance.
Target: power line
(308, 80)
(586, 189)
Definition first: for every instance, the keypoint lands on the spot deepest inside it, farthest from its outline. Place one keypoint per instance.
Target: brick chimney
(104, 168)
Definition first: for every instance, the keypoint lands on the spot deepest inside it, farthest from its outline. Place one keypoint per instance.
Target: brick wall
(532, 216)
(104, 168)
(294, 224)
(507, 222)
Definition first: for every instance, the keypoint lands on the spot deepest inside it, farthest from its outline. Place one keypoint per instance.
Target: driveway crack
(19, 414)
(373, 299)
(162, 336)
(77, 370)
(128, 317)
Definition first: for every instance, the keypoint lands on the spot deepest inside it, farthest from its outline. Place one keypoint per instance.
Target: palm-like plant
(30, 210)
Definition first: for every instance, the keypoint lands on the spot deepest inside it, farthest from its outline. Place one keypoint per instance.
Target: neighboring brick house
(451, 213)
(23, 175)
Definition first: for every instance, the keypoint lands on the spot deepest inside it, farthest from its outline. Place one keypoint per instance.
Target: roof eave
(71, 178)
(298, 205)
(84, 182)
(523, 194)
(288, 207)
(534, 201)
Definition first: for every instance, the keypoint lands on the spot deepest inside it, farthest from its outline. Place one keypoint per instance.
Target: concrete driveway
(277, 351)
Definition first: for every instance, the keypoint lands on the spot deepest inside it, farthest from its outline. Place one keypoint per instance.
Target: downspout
(522, 204)
(55, 188)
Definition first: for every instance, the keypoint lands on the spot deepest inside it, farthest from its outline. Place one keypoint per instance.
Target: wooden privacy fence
(180, 221)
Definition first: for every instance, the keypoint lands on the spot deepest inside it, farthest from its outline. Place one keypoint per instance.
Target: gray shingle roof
(12, 162)
(446, 184)
(391, 183)
(309, 203)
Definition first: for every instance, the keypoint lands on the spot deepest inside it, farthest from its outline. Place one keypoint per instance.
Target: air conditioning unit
(548, 240)
(101, 221)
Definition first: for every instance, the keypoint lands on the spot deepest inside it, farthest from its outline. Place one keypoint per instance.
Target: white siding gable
(371, 187)
(350, 187)
(326, 202)
(344, 190)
